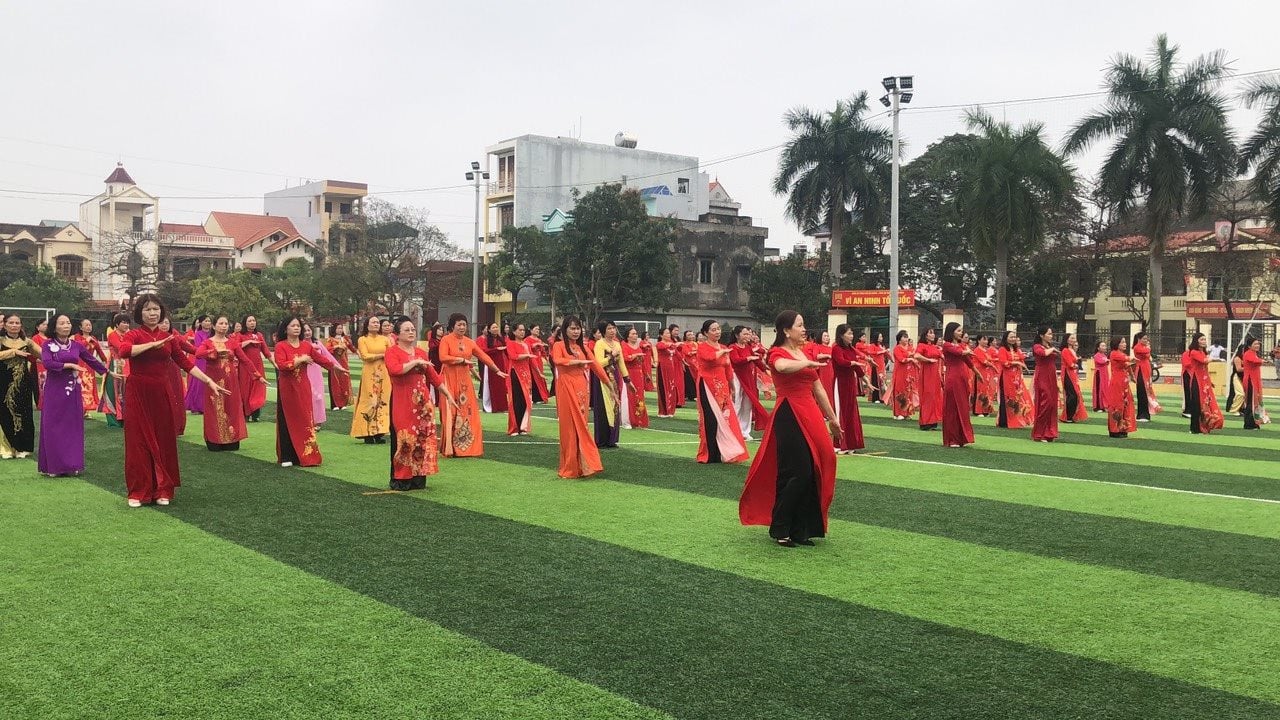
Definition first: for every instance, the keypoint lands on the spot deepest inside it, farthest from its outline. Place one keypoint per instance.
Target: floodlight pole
(476, 174)
(893, 223)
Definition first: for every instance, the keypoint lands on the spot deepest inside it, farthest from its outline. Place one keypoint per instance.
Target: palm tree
(834, 161)
(1011, 184)
(1172, 147)
(1262, 150)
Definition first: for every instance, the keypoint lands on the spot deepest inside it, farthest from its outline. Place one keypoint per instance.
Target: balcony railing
(194, 240)
(502, 187)
(347, 218)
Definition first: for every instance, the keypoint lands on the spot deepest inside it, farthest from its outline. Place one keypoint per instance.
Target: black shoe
(787, 542)
(381, 439)
(807, 543)
(368, 441)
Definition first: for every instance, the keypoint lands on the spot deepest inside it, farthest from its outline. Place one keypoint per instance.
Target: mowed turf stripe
(1202, 634)
(690, 640)
(1046, 461)
(1243, 562)
(1088, 533)
(110, 612)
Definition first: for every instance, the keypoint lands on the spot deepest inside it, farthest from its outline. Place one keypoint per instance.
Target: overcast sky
(234, 99)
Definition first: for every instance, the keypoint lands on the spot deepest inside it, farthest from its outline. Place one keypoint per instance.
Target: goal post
(1265, 329)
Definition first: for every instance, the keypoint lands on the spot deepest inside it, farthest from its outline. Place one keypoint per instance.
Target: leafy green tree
(937, 255)
(1172, 144)
(43, 288)
(233, 294)
(13, 269)
(522, 260)
(1011, 185)
(797, 283)
(1262, 149)
(612, 255)
(832, 162)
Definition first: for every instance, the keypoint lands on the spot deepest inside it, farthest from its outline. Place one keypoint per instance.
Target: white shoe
(162, 501)
(135, 503)
(1144, 419)
(22, 455)
(286, 464)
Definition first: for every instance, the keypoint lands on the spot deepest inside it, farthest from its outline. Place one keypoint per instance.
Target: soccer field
(1089, 578)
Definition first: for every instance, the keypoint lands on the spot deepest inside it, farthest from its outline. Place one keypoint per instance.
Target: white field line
(1062, 478)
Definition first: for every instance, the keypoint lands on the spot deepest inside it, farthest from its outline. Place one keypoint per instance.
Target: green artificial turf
(1070, 584)
(112, 613)
(688, 639)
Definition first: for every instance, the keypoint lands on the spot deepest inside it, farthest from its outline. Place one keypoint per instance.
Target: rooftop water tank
(625, 140)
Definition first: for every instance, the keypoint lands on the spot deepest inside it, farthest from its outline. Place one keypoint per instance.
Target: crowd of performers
(425, 399)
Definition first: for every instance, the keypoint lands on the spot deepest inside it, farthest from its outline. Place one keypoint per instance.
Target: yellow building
(1209, 276)
(60, 246)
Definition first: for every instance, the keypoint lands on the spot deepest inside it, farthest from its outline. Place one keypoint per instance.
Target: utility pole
(476, 175)
(900, 91)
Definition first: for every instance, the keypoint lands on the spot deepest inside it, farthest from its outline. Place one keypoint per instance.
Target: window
(345, 208)
(506, 216)
(137, 224)
(1239, 288)
(704, 270)
(308, 208)
(744, 277)
(682, 186)
(328, 207)
(69, 266)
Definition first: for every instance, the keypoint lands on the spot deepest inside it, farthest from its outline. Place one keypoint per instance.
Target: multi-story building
(533, 179)
(59, 245)
(1208, 277)
(330, 212)
(123, 222)
(184, 251)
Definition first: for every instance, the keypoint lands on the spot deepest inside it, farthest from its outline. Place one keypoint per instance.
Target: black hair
(511, 330)
(142, 301)
(399, 322)
(949, 333)
(282, 330)
(1040, 331)
(563, 331)
(840, 331)
(706, 325)
(1138, 336)
(737, 330)
(925, 334)
(364, 329)
(244, 323)
(901, 334)
(454, 319)
(1115, 342)
(1066, 338)
(53, 322)
(781, 325)
(1004, 339)
(22, 331)
(1194, 343)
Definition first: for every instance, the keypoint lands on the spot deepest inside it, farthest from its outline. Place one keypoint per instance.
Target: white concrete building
(120, 213)
(330, 212)
(533, 175)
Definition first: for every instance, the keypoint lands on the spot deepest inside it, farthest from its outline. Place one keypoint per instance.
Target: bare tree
(131, 259)
(400, 242)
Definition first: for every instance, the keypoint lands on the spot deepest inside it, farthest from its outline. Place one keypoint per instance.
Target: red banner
(1215, 310)
(871, 298)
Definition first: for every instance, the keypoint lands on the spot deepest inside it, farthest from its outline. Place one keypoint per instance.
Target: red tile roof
(120, 175)
(182, 229)
(247, 229)
(255, 266)
(1141, 242)
(1180, 240)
